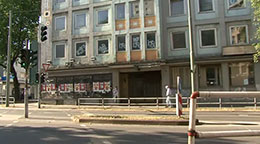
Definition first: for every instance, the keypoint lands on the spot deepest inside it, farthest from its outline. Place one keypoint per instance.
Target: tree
(25, 19)
(256, 5)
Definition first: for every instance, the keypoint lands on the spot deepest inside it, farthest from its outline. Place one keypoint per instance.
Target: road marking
(15, 121)
(107, 142)
(69, 115)
(8, 125)
(82, 125)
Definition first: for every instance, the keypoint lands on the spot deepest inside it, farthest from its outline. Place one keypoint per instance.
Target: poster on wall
(102, 87)
(43, 87)
(65, 88)
(51, 87)
(80, 87)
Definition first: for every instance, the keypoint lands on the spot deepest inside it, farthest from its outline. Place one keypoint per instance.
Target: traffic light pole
(39, 77)
(26, 88)
(8, 61)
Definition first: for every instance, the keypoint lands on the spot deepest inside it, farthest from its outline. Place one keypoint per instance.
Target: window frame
(56, 50)
(178, 15)
(117, 46)
(75, 21)
(130, 10)
(116, 5)
(132, 42)
(228, 6)
(75, 49)
(239, 65)
(100, 39)
(215, 35)
(230, 34)
(153, 9)
(57, 2)
(103, 9)
(65, 23)
(172, 43)
(155, 36)
(213, 7)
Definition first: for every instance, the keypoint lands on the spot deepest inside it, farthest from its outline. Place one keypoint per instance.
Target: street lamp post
(191, 138)
(8, 61)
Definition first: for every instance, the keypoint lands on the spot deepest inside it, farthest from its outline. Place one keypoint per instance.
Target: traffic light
(44, 33)
(37, 78)
(24, 58)
(42, 78)
(33, 58)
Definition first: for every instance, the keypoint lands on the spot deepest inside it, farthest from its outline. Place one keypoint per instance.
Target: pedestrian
(168, 95)
(115, 93)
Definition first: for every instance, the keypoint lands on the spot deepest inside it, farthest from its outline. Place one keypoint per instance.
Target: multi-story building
(140, 46)
(223, 35)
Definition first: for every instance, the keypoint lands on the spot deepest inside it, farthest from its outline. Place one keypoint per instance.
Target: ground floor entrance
(140, 84)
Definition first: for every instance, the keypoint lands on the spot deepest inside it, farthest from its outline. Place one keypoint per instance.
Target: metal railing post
(255, 103)
(157, 102)
(103, 103)
(220, 102)
(129, 102)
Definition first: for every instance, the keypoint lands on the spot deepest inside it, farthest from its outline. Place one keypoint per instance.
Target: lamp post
(8, 61)
(191, 139)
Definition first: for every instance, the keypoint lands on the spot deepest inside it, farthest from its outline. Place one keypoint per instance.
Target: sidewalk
(125, 115)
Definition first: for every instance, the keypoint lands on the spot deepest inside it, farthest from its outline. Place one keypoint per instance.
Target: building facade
(140, 46)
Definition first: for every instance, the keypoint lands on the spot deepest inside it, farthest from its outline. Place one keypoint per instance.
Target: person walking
(168, 95)
(115, 94)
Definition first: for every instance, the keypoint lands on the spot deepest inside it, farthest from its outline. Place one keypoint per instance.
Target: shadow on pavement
(71, 135)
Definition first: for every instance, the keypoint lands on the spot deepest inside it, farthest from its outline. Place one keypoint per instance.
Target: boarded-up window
(134, 9)
(149, 7)
(241, 74)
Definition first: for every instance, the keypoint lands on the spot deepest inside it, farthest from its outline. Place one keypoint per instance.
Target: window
(212, 76)
(103, 46)
(238, 35)
(236, 3)
(121, 45)
(208, 37)
(177, 7)
(60, 51)
(241, 74)
(103, 17)
(59, 1)
(134, 9)
(150, 40)
(205, 5)
(149, 7)
(80, 20)
(81, 49)
(136, 45)
(60, 23)
(179, 40)
(120, 11)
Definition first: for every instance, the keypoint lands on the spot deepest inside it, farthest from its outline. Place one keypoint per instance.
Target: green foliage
(25, 17)
(256, 5)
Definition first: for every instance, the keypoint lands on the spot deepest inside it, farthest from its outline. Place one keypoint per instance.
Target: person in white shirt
(115, 93)
(168, 94)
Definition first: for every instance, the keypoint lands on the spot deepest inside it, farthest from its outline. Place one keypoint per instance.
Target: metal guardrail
(11, 100)
(160, 101)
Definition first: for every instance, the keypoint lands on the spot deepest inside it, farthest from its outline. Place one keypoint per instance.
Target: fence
(160, 101)
(192, 133)
(11, 100)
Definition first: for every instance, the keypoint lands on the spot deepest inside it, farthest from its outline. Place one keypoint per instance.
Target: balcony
(238, 50)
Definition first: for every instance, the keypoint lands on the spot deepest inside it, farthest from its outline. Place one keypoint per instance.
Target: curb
(134, 122)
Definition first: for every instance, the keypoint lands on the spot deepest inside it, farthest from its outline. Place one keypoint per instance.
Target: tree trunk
(16, 83)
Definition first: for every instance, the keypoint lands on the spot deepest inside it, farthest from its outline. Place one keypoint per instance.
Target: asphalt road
(54, 126)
